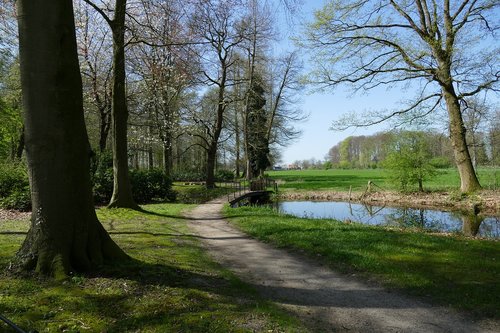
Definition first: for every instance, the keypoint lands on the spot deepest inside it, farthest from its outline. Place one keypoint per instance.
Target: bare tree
(283, 106)
(217, 25)
(367, 44)
(94, 45)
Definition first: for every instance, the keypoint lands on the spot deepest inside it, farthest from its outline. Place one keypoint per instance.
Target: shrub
(408, 162)
(224, 175)
(149, 185)
(14, 187)
(103, 186)
(18, 200)
(102, 177)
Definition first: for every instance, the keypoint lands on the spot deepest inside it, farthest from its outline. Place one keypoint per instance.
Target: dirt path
(324, 300)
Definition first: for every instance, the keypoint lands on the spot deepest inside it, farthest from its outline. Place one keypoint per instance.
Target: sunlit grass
(357, 179)
(170, 286)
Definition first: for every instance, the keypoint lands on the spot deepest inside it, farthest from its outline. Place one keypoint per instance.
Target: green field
(456, 271)
(357, 179)
(170, 286)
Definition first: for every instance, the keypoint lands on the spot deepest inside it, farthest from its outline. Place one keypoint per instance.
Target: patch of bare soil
(323, 299)
(485, 202)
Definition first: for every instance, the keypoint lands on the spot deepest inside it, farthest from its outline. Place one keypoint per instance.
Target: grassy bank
(459, 272)
(342, 180)
(171, 286)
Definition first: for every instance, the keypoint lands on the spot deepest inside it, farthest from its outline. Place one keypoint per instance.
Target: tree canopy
(439, 48)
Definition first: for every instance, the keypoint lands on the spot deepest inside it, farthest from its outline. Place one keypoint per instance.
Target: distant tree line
(372, 151)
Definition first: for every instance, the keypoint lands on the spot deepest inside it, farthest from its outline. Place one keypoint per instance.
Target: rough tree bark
(122, 190)
(65, 233)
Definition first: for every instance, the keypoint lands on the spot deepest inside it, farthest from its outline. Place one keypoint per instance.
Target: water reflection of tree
(407, 218)
(416, 218)
(364, 212)
(471, 223)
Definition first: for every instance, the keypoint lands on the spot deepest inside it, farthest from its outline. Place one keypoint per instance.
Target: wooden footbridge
(253, 192)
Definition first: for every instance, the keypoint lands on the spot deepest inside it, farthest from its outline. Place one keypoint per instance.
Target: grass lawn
(171, 286)
(459, 272)
(342, 180)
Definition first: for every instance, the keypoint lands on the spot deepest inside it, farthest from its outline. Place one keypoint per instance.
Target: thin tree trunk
(210, 177)
(104, 126)
(237, 144)
(167, 158)
(65, 233)
(151, 161)
(122, 190)
(420, 185)
(20, 145)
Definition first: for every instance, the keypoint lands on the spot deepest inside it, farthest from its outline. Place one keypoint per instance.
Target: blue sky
(325, 107)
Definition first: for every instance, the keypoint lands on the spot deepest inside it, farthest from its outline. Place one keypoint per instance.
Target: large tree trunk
(65, 233)
(122, 191)
(468, 178)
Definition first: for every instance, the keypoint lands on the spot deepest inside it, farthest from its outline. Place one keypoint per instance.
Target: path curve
(326, 301)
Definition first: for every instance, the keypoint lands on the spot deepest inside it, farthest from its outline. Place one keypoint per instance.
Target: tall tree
(433, 44)
(65, 233)
(258, 28)
(215, 23)
(122, 191)
(258, 144)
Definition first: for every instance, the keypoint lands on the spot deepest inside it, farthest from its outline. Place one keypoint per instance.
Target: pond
(426, 219)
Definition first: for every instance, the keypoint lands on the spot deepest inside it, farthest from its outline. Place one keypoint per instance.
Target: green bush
(408, 161)
(224, 175)
(103, 186)
(18, 200)
(147, 185)
(14, 187)
(150, 185)
(102, 177)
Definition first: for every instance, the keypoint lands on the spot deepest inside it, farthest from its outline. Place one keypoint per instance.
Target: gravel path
(324, 300)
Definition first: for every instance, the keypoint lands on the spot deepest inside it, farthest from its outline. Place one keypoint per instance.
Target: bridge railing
(242, 187)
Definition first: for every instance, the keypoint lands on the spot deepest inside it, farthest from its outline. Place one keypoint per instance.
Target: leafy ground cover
(169, 286)
(455, 271)
(357, 179)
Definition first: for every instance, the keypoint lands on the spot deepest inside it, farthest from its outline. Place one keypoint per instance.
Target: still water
(433, 220)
